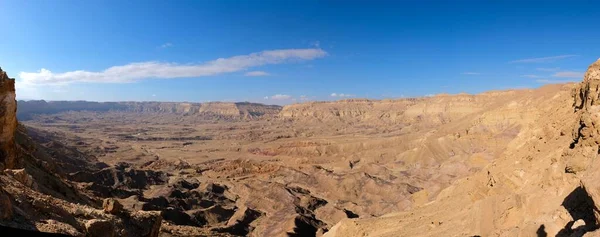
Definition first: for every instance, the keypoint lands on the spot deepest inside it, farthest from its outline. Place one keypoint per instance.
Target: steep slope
(8, 121)
(34, 194)
(534, 188)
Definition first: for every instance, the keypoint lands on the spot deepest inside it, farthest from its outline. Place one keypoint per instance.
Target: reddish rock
(8, 121)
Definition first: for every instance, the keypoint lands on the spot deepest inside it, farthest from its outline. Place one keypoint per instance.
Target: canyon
(500, 163)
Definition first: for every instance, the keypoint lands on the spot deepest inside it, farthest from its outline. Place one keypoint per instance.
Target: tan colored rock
(8, 121)
(112, 206)
(592, 234)
(577, 224)
(146, 223)
(22, 176)
(99, 228)
(54, 226)
(586, 136)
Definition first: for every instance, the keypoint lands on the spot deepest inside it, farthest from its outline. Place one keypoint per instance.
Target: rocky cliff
(440, 109)
(8, 121)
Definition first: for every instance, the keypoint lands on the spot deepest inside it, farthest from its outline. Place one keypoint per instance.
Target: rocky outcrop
(8, 121)
(99, 228)
(22, 176)
(439, 109)
(586, 135)
(112, 206)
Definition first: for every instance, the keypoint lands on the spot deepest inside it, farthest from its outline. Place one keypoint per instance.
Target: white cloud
(166, 45)
(546, 81)
(256, 74)
(316, 44)
(303, 98)
(543, 60)
(530, 76)
(26, 92)
(153, 95)
(568, 74)
(278, 97)
(340, 95)
(147, 70)
(471, 73)
(543, 69)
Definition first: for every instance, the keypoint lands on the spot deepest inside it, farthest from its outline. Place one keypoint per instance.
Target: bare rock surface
(8, 121)
(545, 183)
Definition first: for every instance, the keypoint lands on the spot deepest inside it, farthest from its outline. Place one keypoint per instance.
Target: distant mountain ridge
(238, 110)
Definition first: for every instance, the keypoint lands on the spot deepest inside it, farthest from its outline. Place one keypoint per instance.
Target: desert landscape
(445, 165)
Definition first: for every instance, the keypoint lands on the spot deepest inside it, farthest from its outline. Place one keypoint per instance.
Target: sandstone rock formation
(8, 121)
(545, 184)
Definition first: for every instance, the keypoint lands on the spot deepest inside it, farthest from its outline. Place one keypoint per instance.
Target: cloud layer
(166, 45)
(278, 97)
(341, 95)
(568, 74)
(546, 81)
(256, 74)
(148, 70)
(544, 59)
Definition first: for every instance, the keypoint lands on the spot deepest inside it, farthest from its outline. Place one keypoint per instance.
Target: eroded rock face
(146, 223)
(100, 228)
(8, 121)
(586, 135)
(587, 105)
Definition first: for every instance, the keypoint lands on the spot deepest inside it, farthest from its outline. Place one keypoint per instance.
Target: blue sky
(280, 52)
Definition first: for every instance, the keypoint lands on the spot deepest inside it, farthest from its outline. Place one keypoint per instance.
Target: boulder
(22, 176)
(99, 228)
(112, 206)
(146, 223)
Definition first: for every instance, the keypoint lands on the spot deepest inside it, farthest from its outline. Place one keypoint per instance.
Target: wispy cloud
(543, 59)
(530, 76)
(545, 69)
(256, 74)
(316, 44)
(568, 74)
(278, 97)
(148, 70)
(166, 45)
(471, 73)
(547, 81)
(341, 95)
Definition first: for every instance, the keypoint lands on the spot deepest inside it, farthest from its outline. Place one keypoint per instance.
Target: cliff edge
(8, 121)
